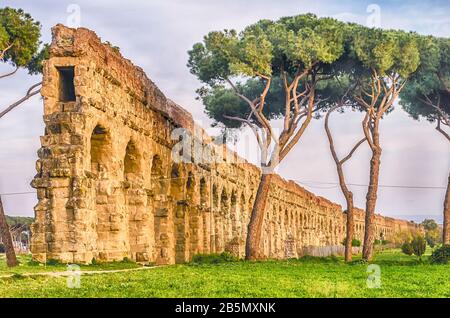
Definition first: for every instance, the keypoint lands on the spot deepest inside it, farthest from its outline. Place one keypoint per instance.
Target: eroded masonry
(108, 186)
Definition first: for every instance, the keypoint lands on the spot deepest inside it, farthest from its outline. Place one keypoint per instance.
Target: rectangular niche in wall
(66, 85)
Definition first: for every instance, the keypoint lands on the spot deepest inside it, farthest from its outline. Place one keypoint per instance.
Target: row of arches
(117, 198)
(208, 217)
(170, 215)
(382, 231)
(152, 209)
(290, 228)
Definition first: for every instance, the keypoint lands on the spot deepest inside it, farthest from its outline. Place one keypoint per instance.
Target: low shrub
(359, 262)
(127, 260)
(17, 276)
(381, 242)
(355, 242)
(441, 255)
(419, 245)
(407, 248)
(430, 241)
(53, 262)
(319, 259)
(32, 262)
(224, 257)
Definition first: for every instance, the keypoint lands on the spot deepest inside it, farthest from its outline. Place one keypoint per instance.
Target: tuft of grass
(32, 262)
(28, 265)
(53, 262)
(319, 259)
(17, 276)
(213, 258)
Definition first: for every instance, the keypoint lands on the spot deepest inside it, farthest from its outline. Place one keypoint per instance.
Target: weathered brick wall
(109, 188)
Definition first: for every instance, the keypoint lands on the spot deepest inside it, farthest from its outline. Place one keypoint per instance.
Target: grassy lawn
(401, 276)
(28, 266)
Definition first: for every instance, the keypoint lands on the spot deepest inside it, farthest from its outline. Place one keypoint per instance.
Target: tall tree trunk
(252, 246)
(350, 215)
(446, 226)
(11, 259)
(350, 226)
(371, 199)
(347, 193)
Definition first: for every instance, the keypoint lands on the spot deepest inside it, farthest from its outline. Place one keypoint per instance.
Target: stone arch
(234, 215)
(203, 193)
(291, 222)
(100, 151)
(177, 183)
(242, 206)
(222, 218)
(190, 186)
(102, 193)
(158, 186)
(231, 226)
(214, 218)
(132, 162)
(215, 197)
(273, 233)
(286, 222)
(179, 210)
(280, 230)
(135, 203)
(233, 199)
(224, 201)
(289, 241)
(158, 182)
(206, 214)
(243, 216)
(328, 232)
(194, 217)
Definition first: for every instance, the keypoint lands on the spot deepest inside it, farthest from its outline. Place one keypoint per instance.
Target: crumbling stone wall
(109, 187)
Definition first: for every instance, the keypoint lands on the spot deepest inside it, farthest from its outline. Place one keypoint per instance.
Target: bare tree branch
(250, 125)
(438, 128)
(350, 154)
(263, 121)
(30, 93)
(2, 52)
(330, 138)
(284, 150)
(437, 106)
(10, 73)
(365, 125)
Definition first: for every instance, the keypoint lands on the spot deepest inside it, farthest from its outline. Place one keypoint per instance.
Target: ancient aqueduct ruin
(108, 187)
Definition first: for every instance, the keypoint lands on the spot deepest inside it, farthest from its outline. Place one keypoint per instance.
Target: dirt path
(80, 272)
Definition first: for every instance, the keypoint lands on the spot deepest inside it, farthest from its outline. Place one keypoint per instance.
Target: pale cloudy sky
(156, 35)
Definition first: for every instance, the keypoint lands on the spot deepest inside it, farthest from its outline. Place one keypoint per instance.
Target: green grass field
(27, 266)
(401, 276)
